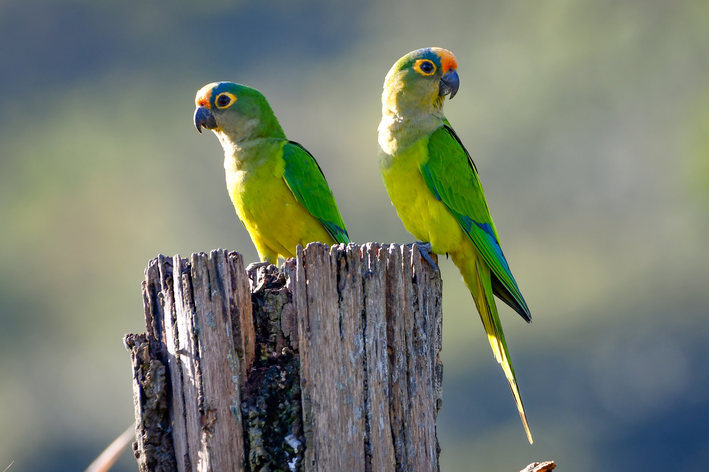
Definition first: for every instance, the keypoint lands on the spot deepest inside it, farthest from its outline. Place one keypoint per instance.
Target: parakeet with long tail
(278, 190)
(434, 186)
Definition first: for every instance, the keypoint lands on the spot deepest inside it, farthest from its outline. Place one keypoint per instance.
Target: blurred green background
(588, 121)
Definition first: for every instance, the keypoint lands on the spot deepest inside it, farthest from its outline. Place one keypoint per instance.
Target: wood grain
(329, 364)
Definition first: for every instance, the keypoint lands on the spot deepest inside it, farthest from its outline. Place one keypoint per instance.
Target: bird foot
(255, 266)
(425, 250)
(251, 272)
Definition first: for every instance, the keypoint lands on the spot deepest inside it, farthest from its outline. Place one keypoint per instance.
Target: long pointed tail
(477, 277)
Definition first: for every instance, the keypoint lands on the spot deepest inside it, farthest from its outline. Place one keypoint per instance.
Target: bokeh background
(589, 124)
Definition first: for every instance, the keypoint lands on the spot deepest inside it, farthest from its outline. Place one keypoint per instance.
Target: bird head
(421, 80)
(235, 112)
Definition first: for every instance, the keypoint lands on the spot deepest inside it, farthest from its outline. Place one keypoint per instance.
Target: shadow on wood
(330, 364)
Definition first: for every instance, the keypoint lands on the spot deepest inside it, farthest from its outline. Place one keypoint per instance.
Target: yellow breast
(423, 215)
(275, 220)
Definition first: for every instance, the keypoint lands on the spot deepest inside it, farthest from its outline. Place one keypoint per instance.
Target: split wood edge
(358, 327)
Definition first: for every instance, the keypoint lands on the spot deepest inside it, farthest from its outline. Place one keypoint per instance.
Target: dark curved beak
(449, 84)
(203, 118)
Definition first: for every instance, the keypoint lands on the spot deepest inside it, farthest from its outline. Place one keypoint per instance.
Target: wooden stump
(330, 364)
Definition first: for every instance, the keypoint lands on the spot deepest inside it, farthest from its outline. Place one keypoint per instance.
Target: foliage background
(588, 121)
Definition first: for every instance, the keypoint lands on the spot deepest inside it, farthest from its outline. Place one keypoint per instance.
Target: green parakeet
(278, 190)
(435, 188)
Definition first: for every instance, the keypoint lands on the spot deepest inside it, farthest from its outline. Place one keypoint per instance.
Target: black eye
(427, 67)
(223, 100)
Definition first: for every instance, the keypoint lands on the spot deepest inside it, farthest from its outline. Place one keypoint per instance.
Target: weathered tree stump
(330, 364)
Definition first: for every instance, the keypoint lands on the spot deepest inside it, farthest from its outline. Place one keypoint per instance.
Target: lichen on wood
(271, 408)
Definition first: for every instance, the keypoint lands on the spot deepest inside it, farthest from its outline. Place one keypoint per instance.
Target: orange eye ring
(425, 67)
(224, 100)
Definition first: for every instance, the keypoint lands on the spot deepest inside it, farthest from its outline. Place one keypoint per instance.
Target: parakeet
(278, 190)
(434, 186)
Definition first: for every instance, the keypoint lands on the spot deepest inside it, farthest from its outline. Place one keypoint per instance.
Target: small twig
(110, 455)
(539, 467)
(8, 466)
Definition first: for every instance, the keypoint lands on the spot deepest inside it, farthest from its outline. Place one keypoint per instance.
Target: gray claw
(252, 273)
(426, 251)
(256, 265)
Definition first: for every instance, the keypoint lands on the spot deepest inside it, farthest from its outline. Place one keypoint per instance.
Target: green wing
(307, 182)
(452, 177)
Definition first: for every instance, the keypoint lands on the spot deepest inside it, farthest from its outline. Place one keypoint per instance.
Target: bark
(329, 364)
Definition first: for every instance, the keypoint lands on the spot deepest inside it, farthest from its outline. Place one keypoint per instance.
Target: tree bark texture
(329, 364)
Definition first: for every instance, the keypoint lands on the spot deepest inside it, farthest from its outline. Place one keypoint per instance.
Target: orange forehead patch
(448, 60)
(203, 95)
